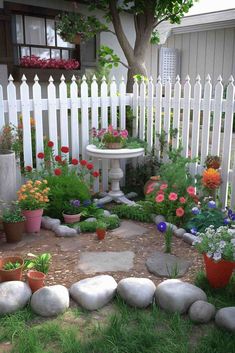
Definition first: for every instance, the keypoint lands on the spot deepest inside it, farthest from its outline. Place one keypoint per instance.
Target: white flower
(222, 244)
(217, 256)
(209, 254)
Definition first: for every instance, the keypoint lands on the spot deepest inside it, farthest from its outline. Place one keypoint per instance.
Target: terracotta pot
(33, 220)
(113, 145)
(101, 233)
(72, 218)
(36, 280)
(218, 273)
(77, 38)
(11, 275)
(13, 231)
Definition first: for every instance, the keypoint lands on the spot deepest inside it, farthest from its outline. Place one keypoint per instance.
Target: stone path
(108, 261)
(128, 230)
(167, 265)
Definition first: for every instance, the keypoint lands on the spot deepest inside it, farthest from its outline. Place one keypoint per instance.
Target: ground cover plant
(142, 211)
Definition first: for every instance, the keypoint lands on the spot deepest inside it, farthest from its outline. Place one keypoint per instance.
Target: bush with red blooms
(34, 61)
(169, 202)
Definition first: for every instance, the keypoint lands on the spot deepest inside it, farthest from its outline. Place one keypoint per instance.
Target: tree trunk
(137, 67)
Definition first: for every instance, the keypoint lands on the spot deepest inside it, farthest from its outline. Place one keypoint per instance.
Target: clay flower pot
(72, 218)
(36, 280)
(11, 275)
(101, 233)
(218, 273)
(113, 145)
(33, 220)
(14, 231)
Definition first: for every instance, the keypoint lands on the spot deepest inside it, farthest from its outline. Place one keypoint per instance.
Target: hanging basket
(77, 38)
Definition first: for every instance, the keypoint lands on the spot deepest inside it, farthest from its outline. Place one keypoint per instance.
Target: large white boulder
(94, 293)
(14, 295)
(50, 301)
(201, 312)
(174, 295)
(137, 292)
(225, 318)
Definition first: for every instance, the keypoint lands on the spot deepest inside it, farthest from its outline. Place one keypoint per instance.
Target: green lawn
(119, 329)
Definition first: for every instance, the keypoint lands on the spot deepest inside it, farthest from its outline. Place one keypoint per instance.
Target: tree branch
(123, 41)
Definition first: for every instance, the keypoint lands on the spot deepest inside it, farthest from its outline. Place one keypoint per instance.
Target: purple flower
(211, 204)
(86, 203)
(232, 217)
(226, 221)
(162, 227)
(230, 212)
(193, 231)
(75, 203)
(195, 210)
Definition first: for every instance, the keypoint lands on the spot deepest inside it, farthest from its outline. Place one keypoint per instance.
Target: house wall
(206, 52)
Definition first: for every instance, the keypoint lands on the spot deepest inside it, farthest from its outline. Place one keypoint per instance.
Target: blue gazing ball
(162, 227)
(211, 204)
(195, 210)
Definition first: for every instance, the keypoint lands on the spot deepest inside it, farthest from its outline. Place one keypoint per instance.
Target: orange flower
(211, 178)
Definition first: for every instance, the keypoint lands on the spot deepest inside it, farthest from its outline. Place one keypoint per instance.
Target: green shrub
(141, 212)
(62, 190)
(111, 222)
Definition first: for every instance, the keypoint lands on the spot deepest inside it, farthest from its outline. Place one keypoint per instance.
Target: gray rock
(64, 231)
(225, 318)
(167, 265)
(129, 230)
(137, 292)
(14, 295)
(94, 293)
(172, 226)
(50, 301)
(174, 295)
(50, 223)
(159, 219)
(189, 238)
(201, 312)
(90, 219)
(107, 213)
(179, 233)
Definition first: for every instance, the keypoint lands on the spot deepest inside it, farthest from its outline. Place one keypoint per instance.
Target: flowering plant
(216, 243)
(170, 203)
(37, 62)
(33, 195)
(109, 135)
(72, 207)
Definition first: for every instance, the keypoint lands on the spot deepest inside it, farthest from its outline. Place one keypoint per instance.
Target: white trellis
(202, 116)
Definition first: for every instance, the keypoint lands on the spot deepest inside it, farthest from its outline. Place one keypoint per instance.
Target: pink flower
(115, 133)
(124, 133)
(173, 196)
(149, 190)
(182, 200)
(163, 186)
(160, 192)
(110, 128)
(191, 190)
(179, 212)
(159, 198)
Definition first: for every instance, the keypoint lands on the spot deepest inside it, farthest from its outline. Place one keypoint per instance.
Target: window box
(43, 74)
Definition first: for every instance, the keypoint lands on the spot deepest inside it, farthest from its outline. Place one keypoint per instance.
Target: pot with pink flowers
(33, 198)
(111, 138)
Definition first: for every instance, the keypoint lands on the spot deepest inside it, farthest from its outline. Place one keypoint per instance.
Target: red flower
(182, 200)
(50, 144)
(57, 171)
(172, 196)
(65, 149)
(90, 166)
(191, 190)
(74, 161)
(40, 155)
(179, 212)
(83, 162)
(28, 168)
(58, 158)
(96, 173)
(159, 198)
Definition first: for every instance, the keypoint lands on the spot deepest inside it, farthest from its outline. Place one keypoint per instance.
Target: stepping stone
(129, 230)
(225, 318)
(50, 301)
(94, 293)
(201, 312)
(137, 292)
(14, 295)
(167, 265)
(69, 244)
(174, 295)
(107, 261)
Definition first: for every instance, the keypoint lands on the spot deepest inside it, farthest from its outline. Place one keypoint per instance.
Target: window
(38, 36)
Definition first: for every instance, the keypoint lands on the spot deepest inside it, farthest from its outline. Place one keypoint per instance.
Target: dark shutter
(88, 53)
(6, 47)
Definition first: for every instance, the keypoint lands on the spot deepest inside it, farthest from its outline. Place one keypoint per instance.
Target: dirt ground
(65, 253)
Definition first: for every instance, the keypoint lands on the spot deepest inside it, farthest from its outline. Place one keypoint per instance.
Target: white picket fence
(204, 119)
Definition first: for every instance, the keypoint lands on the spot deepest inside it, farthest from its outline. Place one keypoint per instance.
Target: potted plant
(39, 267)
(111, 138)
(218, 249)
(11, 268)
(101, 230)
(72, 211)
(13, 223)
(33, 198)
(74, 27)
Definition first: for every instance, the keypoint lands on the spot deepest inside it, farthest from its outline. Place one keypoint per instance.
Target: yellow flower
(45, 181)
(38, 182)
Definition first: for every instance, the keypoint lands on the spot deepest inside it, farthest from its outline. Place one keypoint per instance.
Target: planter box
(43, 74)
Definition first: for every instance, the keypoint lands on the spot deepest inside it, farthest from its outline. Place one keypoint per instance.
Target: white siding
(207, 52)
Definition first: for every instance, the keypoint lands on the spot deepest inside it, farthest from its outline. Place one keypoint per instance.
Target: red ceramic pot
(36, 280)
(33, 220)
(218, 273)
(11, 275)
(101, 233)
(72, 218)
